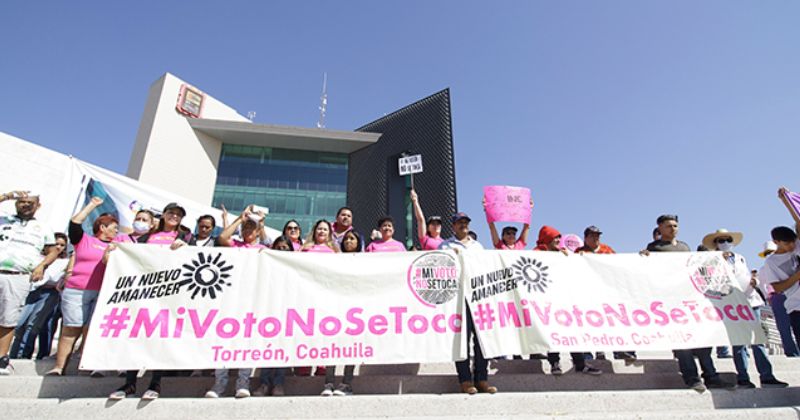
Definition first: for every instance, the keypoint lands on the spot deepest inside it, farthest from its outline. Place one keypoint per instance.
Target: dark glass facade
(294, 184)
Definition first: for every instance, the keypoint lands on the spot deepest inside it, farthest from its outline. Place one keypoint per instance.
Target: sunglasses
(723, 240)
(293, 227)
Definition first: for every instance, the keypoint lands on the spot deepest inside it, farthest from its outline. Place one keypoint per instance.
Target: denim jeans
(741, 359)
(39, 309)
(330, 373)
(481, 370)
(272, 376)
(689, 368)
(790, 348)
(221, 380)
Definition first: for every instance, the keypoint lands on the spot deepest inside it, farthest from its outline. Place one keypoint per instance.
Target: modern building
(199, 148)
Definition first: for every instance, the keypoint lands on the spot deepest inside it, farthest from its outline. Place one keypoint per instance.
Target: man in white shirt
(22, 240)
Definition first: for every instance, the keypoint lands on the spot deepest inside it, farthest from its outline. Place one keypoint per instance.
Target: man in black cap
(471, 383)
(591, 241)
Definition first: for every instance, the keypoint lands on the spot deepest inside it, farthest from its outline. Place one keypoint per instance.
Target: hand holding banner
(793, 202)
(507, 204)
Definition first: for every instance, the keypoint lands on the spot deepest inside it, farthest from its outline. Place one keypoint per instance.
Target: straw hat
(709, 239)
(769, 248)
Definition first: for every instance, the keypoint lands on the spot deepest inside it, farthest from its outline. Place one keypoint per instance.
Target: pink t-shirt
(392, 245)
(87, 274)
(162, 238)
(235, 243)
(319, 248)
(517, 245)
(430, 244)
(296, 246)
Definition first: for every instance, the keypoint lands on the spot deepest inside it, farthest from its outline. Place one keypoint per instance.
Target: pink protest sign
(571, 242)
(507, 204)
(794, 202)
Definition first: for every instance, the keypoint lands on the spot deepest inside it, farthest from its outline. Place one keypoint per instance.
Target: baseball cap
(592, 229)
(460, 215)
(173, 205)
(432, 219)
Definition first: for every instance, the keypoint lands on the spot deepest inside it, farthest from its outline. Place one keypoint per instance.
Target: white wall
(168, 153)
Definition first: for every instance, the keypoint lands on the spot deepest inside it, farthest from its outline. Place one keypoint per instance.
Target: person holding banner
(343, 223)
(320, 240)
(143, 223)
(83, 286)
(386, 243)
(272, 379)
(169, 229)
(668, 242)
(292, 232)
(725, 241)
(350, 243)
(476, 380)
(550, 240)
(205, 226)
(429, 232)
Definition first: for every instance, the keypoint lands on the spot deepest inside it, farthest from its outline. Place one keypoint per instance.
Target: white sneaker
(242, 393)
(212, 394)
(327, 391)
(150, 395)
(117, 395)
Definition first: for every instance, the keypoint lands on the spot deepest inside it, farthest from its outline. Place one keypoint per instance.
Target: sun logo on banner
(206, 276)
(533, 273)
(710, 275)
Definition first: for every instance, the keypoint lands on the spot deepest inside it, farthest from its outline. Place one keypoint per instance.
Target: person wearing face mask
(143, 223)
(725, 241)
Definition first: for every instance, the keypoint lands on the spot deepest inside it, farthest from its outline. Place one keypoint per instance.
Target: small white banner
(410, 165)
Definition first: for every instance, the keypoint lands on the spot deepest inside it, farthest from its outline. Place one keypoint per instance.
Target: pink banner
(571, 242)
(507, 204)
(794, 202)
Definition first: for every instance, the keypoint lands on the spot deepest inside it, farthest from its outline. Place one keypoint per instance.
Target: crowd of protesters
(42, 283)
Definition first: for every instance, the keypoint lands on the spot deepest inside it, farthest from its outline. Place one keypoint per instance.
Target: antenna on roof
(323, 101)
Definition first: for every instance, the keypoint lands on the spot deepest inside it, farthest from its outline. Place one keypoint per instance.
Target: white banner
(197, 308)
(526, 302)
(125, 197)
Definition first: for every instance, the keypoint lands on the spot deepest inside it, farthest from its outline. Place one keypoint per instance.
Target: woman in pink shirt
(386, 243)
(319, 240)
(292, 231)
(251, 223)
(82, 287)
(509, 239)
(430, 232)
(143, 223)
(169, 229)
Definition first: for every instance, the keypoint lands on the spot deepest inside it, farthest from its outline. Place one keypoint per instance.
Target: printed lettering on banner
(202, 308)
(507, 204)
(526, 302)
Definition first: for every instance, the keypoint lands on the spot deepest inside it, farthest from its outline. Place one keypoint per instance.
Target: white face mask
(725, 246)
(141, 227)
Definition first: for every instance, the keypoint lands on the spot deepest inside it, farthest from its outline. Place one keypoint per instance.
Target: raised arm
(81, 216)
(225, 237)
(782, 195)
(421, 225)
(224, 216)
(526, 228)
(492, 229)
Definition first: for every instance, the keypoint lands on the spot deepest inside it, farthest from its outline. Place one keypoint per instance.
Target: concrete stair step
(188, 387)
(664, 404)
(641, 366)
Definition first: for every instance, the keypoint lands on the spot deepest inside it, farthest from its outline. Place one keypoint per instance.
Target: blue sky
(612, 112)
